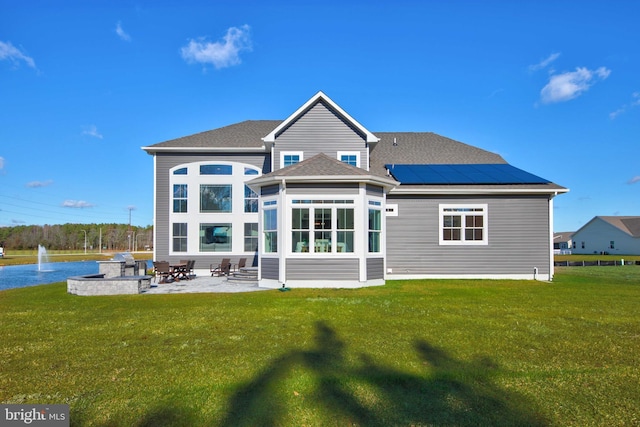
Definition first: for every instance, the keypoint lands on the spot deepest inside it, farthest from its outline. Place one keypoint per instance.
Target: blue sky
(552, 86)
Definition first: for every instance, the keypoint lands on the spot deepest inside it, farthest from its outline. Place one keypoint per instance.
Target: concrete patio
(202, 283)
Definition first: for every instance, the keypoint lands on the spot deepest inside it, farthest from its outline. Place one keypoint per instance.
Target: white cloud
(634, 180)
(635, 102)
(37, 184)
(13, 54)
(543, 64)
(221, 54)
(92, 131)
(570, 85)
(122, 33)
(77, 204)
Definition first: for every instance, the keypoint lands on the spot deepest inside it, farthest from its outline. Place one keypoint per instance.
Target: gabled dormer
(320, 126)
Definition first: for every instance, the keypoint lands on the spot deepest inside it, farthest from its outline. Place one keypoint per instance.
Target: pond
(18, 276)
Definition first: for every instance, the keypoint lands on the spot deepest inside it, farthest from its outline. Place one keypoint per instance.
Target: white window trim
(290, 153)
(291, 253)
(237, 217)
(485, 222)
(350, 153)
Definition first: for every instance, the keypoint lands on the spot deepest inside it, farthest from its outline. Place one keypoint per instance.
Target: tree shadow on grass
(450, 392)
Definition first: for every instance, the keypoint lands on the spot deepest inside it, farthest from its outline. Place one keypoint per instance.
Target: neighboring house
(318, 200)
(563, 242)
(618, 235)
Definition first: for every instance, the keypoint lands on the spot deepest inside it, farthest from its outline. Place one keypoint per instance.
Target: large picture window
(215, 237)
(215, 198)
(463, 224)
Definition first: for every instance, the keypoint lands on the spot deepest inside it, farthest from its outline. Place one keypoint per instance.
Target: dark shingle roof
(425, 148)
(319, 165)
(245, 134)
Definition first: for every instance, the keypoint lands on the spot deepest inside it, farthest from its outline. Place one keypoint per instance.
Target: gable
(320, 97)
(321, 129)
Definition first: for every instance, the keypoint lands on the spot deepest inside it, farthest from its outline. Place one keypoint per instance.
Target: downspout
(282, 277)
(551, 254)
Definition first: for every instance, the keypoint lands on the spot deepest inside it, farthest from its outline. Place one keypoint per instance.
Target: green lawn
(440, 352)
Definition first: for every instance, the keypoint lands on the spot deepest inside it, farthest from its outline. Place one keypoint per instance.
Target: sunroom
(322, 225)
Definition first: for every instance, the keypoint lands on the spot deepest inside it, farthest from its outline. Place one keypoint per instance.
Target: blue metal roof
(463, 174)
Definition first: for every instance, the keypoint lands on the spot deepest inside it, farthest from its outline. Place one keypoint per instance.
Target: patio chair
(190, 268)
(241, 264)
(161, 270)
(222, 269)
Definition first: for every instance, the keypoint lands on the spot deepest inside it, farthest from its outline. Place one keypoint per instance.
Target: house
(618, 235)
(563, 242)
(318, 200)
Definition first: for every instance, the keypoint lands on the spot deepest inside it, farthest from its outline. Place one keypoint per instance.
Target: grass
(440, 352)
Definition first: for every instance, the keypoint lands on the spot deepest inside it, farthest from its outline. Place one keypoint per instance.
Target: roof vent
(395, 143)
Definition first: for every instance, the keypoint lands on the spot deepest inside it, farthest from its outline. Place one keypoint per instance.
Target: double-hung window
(375, 226)
(179, 237)
(270, 227)
(463, 224)
(180, 198)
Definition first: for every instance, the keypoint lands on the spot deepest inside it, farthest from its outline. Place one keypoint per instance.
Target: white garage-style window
(463, 224)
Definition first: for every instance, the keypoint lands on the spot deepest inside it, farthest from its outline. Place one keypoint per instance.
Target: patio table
(179, 271)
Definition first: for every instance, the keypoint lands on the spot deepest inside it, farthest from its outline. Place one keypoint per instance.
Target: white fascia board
(152, 150)
(271, 138)
(440, 191)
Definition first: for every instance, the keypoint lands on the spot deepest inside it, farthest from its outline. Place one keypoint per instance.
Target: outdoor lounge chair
(222, 269)
(241, 264)
(161, 270)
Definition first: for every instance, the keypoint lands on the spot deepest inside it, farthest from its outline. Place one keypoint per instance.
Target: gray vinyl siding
(320, 130)
(373, 190)
(375, 268)
(270, 190)
(518, 237)
(323, 189)
(322, 269)
(164, 162)
(270, 268)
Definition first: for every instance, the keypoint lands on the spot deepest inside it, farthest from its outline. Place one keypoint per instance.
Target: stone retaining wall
(97, 284)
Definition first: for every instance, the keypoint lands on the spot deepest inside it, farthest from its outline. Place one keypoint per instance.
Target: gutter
(441, 191)
(153, 150)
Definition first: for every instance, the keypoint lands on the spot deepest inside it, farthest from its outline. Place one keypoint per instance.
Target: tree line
(120, 237)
